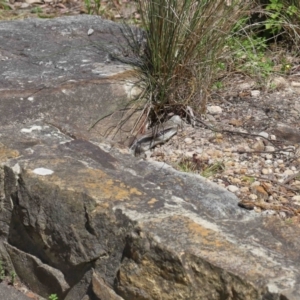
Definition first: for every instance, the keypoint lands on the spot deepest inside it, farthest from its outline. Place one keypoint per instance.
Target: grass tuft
(185, 39)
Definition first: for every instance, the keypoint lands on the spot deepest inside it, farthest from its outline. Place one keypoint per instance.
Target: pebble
(270, 148)
(253, 197)
(258, 146)
(288, 172)
(296, 199)
(241, 169)
(264, 134)
(214, 110)
(233, 188)
(255, 93)
(188, 141)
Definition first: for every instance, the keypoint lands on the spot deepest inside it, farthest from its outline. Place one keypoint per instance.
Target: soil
(248, 142)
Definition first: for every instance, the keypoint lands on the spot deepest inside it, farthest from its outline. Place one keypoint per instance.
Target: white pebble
(253, 196)
(265, 171)
(214, 110)
(255, 93)
(233, 188)
(296, 199)
(264, 134)
(270, 148)
(42, 171)
(288, 172)
(188, 141)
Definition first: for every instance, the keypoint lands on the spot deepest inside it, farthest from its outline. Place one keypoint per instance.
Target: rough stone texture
(101, 290)
(71, 207)
(50, 66)
(36, 274)
(9, 293)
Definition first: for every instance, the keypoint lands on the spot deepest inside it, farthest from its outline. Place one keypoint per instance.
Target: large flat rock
(83, 219)
(149, 231)
(55, 71)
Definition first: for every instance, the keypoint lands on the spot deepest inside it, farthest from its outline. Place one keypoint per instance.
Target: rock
(258, 146)
(233, 188)
(287, 133)
(10, 293)
(255, 93)
(42, 278)
(288, 172)
(253, 197)
(53, 69)
(264, 134)
(214, 110)
(296, 199)
(188, 141)
(270, 148)
(265, 171)
(102, 290)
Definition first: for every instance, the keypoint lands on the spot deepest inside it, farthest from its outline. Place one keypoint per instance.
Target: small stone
(236, 180)
(270, 148)
(265, 171)
(273, 137)
(188, 141)
(24, 5)
(282, 214)
(260, 192)
(253, 197)
(235, 122)
(243, 170)
(288, 172)
(233, 188)
(257, 209)
(264, 134)
(244, 189)
(258, 146)
(296, 199)
(214, 110)
(255, 93)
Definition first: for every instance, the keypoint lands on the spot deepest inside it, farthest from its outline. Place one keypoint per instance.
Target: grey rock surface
(9, 293)
(97, 222)
(48, 66)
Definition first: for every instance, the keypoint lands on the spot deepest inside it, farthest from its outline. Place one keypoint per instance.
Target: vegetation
(3, 275)
(266, 41)
(53, 297)
(193, 47)
(200, 166)
(185, 40)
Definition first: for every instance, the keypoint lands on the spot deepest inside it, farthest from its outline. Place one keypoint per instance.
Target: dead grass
(184, 42)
